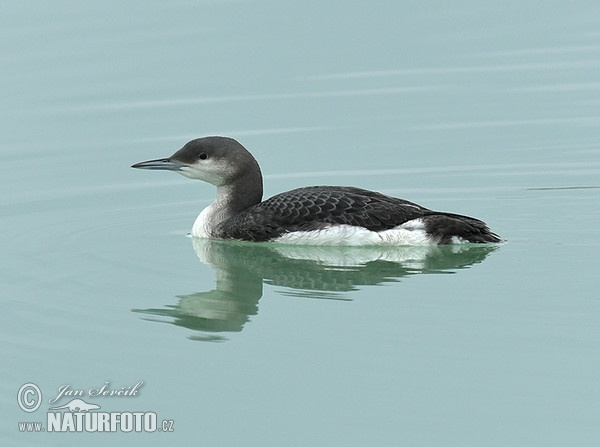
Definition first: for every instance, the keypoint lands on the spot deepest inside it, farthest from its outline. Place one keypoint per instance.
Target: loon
(313, 215)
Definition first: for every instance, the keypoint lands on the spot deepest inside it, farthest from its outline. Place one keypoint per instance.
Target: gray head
(219, 161)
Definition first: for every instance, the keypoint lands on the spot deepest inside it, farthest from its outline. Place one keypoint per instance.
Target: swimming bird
(313, 215)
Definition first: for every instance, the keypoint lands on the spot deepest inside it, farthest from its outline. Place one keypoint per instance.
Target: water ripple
(178, 102)
(501, 68)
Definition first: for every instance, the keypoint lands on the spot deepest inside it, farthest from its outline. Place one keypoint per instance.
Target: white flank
(409, 233)
(202, 223)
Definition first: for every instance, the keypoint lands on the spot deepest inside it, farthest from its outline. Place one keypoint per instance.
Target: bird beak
(165, 164)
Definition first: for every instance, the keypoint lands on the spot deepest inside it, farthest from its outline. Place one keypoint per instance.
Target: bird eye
(203, 156)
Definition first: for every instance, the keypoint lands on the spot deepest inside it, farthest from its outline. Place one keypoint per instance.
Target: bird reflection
(325, 272)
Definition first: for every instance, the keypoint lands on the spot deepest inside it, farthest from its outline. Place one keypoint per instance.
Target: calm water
(483, 109)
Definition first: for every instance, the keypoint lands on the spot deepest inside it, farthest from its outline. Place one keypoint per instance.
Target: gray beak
(165, 164)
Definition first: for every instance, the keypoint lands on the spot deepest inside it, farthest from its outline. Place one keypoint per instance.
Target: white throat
(214, 214)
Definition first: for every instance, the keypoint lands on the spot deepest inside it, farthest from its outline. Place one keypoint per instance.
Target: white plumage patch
(202, 224)
(409, 233)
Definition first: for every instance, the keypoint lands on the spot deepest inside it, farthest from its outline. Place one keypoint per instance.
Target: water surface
(489, 110)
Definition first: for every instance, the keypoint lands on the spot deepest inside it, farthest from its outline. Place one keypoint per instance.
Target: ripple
(251, 132)
(563, 49)
(499, 68)
(553, 188)
(562, 87)
(178, 102)
(478, 169)
(592, 120)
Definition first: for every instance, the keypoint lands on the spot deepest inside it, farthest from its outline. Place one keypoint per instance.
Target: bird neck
(232, 198)
(238, 195)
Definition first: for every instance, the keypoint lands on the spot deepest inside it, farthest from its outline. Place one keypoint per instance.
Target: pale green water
(483, 109)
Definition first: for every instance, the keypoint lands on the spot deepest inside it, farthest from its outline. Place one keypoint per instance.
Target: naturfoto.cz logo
(79, 415)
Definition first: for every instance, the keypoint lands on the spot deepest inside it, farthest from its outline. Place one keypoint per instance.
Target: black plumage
(317, 207)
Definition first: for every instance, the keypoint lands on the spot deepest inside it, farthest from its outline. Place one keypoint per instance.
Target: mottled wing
(317, 207)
